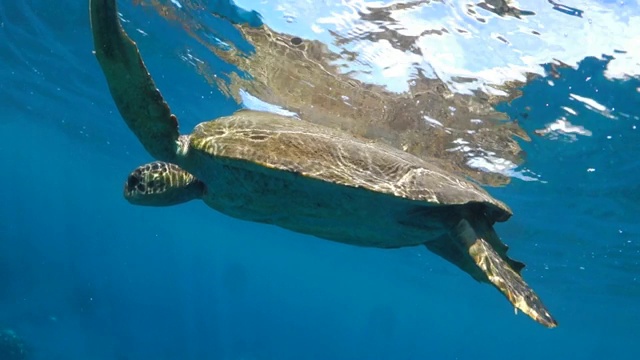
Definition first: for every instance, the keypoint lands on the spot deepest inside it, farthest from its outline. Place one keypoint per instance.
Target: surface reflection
(423, 76)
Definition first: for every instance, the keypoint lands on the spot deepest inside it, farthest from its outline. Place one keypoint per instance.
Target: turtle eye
(141, 188)
(132, 181)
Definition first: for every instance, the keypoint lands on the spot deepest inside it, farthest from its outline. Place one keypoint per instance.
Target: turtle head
(161, 184)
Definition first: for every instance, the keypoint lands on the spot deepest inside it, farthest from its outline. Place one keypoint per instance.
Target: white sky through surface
(610, 28)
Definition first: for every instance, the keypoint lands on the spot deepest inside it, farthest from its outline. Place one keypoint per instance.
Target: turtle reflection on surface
(428, 120)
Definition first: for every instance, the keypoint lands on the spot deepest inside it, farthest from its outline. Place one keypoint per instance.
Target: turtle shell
(288, 144)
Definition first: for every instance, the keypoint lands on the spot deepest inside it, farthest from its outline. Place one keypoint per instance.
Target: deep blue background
(85, 275)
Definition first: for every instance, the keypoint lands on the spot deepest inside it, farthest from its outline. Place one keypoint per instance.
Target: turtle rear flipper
(499, 273)
(132, 88)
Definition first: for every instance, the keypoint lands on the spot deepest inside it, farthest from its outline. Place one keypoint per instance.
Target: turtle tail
(132, 88)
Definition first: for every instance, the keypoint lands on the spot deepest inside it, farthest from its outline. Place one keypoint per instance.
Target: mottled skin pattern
(161, 184)
(307, 178)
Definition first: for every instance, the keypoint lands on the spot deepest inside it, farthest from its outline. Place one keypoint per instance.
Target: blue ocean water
(85, 275)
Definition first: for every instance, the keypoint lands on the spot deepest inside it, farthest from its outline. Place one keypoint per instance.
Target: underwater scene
(353, 179)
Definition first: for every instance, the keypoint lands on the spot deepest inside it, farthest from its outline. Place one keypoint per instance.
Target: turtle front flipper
(132, 88)
(498, 272)
(162, 184)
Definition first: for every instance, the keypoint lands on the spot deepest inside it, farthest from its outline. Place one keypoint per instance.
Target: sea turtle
(304, 177)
